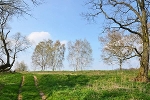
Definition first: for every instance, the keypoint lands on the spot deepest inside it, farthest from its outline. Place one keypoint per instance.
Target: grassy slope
(84, 85)
(93, 85)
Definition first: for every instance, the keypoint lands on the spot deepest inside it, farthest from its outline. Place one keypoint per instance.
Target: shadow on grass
(116, 94)
(51, 83)
(9, 91)
(1, 86)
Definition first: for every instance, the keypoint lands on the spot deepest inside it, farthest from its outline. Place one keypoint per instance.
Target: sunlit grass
(29, 90)
(93, 85)
(81, 85)
(9, 86)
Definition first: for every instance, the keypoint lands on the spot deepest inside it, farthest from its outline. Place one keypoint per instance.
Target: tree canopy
(49, 55)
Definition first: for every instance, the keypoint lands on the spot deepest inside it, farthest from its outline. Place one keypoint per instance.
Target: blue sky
(61, 20)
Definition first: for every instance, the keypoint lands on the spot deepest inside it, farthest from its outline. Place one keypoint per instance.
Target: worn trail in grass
(29, 90)
(18, 86)
(21, 84)
(40, 92)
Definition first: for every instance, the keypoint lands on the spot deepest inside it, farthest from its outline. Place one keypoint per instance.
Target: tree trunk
(144, 64)
(53, 69)
(120, 64)
(5, 67)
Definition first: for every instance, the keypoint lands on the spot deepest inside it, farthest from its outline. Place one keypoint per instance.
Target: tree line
(50, 55)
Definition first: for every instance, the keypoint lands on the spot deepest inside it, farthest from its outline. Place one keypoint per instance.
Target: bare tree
(18, 6)
(49, 55)
(128, 15)
(11, 46)
(118, 47)
(80, 54)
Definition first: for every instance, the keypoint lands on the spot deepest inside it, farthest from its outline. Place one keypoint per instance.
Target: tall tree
(49, 55)
(80, 54)
(119, 47)
(41, 54)
(11, 46)
(128, 15)
(57, 55)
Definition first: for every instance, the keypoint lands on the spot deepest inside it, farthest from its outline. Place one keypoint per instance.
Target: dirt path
(41, 93)
(19, 94)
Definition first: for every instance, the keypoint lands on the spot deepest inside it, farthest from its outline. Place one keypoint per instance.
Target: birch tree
(80, 54)
(57, 56)
(49, 55)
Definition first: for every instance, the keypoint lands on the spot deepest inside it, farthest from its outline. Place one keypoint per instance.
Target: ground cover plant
(81, 85)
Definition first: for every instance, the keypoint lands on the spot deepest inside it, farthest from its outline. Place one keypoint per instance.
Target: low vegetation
(81, 85)
(9, 86)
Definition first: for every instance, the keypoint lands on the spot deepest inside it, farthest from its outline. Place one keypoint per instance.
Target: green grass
(82, 85)
(9, 86)
(29, 90)
(93, 85)
(55, 86)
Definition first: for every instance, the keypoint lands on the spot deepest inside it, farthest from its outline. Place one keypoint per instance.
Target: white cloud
(36, 37)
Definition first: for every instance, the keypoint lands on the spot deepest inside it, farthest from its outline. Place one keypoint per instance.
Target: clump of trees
(80, 54)
(131, 16)
(49, 55)
(21, 66)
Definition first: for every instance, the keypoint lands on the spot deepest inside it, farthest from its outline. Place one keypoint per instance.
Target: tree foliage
(49, 55)
(128, 15)
(80, 54)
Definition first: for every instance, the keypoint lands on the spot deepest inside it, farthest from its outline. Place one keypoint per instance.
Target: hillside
(82, 85)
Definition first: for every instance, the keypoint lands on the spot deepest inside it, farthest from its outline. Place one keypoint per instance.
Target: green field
(82, 85)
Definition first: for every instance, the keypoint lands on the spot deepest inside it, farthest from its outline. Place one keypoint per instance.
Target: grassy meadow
(81, 85)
